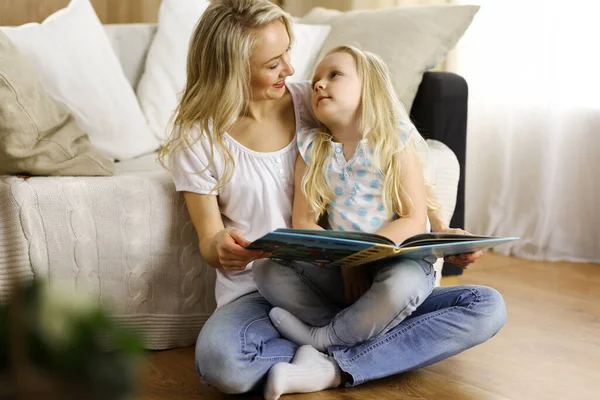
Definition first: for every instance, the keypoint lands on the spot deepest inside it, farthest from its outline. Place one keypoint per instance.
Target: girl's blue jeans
(238, 344)
(398, 287)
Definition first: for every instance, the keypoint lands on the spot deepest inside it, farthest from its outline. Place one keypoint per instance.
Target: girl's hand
(356, 282)
(230, 243)
(461, 260)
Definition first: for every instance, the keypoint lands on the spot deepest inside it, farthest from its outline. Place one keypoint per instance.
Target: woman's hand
(461, 260)
(229, 244)
(356, 282)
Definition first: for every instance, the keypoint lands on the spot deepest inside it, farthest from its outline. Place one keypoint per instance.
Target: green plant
(56, 343)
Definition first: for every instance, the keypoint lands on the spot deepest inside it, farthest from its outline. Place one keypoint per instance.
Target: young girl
(363, 170)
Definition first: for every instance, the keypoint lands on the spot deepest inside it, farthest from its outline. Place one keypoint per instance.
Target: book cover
(349, 249)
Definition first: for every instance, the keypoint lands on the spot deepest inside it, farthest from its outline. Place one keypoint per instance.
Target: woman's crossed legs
(238, 345)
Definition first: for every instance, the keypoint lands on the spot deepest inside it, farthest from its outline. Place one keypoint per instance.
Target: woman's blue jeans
(238, 344)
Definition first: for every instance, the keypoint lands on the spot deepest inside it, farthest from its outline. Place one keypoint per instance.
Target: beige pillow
(38, 135)
(411, 40)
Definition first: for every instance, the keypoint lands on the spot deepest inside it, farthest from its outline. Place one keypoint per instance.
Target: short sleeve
(301, 92)
(305, 139)
(189, 168)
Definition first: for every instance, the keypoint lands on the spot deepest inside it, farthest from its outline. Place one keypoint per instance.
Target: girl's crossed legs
(398, 288)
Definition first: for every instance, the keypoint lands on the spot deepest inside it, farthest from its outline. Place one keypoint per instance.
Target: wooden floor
(549, 348)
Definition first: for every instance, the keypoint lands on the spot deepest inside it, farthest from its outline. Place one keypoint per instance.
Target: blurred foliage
(59, 344)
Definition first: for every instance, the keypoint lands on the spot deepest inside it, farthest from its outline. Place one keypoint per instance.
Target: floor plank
(549, 348)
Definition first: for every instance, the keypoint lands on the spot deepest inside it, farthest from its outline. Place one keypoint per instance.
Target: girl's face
(270, 62)
(336, 90)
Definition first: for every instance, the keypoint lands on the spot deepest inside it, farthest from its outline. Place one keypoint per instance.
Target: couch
(128, 238)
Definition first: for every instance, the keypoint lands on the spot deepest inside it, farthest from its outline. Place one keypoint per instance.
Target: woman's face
(270, 62)
(337, 90)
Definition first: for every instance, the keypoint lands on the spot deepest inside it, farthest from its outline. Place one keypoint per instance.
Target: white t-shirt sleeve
(301, 91)
(189, 168)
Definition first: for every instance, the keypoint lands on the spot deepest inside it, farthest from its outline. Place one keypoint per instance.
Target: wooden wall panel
(18, 12)
(299, 8)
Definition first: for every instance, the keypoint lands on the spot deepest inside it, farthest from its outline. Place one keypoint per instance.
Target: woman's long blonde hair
(217, 90)
(380, 115)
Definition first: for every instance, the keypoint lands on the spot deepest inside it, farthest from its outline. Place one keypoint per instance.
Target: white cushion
(131, 42)
(411, 40)
(165, 74)
(443, 172)
(308, 42)
(76, 64)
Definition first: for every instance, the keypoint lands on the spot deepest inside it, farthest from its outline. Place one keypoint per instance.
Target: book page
(366, 256)
(362, 236)
(440, 238)
(450, 248)
(295, 246)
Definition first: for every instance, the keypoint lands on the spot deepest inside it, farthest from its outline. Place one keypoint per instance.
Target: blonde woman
(232, 154)
(363, 170)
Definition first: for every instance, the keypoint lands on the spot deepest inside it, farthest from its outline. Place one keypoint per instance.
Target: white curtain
(533, 148)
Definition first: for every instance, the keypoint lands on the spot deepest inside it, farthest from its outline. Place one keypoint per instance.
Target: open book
(349, 249)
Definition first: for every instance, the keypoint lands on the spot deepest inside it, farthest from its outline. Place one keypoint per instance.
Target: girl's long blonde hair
(217, 90)
(379, 116)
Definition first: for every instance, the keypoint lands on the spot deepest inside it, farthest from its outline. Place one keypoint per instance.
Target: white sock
(309, 371)
(300, 333)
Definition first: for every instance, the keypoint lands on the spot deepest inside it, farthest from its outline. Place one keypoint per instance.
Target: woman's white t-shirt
(257, 199)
